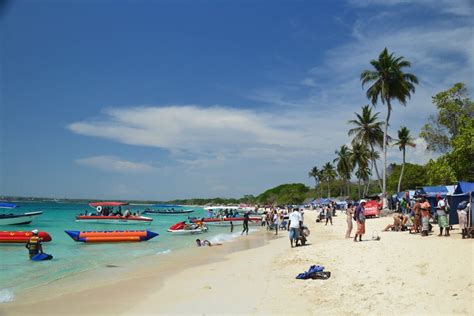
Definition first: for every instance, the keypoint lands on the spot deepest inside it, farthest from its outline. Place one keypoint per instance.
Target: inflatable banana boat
(21, 236)
(111, 235)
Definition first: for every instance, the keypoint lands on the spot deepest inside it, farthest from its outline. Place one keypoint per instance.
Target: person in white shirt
(294, 224)
(442, 216)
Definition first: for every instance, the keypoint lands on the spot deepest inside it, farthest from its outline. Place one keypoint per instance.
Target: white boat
(18, 219)
(116, 219)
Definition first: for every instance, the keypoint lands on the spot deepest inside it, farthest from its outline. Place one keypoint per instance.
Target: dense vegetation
(450, 132)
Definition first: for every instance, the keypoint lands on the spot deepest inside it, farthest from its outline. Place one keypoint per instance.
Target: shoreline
(400, 274)
(138, 269)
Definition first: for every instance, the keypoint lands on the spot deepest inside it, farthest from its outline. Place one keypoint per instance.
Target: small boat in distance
(166, 210)
(16, 219)
(105, 213)
(7, 205)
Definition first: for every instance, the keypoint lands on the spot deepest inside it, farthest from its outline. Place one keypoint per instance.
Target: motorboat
(187, 229)
(168, 212)
(111, 236)
(105, 214)
(18, 219)
(21, 236)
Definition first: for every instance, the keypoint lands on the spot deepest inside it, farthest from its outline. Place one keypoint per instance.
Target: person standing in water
(246, 224)
(34, 244)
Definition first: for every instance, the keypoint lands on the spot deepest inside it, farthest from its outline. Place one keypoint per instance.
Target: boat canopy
(95, 204)
(166, 205)
(7, 205)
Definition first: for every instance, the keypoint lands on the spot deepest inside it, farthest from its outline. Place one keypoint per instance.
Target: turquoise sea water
(19, 273)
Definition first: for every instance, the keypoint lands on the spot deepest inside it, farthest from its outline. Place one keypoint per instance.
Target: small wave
(220, 238)
(163, 252)
(6, 295)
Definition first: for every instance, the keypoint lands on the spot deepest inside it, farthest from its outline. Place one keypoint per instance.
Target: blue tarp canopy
(324, 201)
(7, 205)
(166, 205)
(464, 187)
(433, 190)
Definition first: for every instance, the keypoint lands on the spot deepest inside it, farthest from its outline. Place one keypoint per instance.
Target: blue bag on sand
(41, 257)
(312, 270)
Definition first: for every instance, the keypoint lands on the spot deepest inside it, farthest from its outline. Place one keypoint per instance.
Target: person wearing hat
(34, 244)
(442, 216)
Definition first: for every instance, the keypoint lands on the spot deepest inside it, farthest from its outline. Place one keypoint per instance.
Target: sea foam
(163, 252)
(6, 295)
(224, 237)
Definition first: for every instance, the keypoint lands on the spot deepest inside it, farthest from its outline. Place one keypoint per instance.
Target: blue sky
(180, 99)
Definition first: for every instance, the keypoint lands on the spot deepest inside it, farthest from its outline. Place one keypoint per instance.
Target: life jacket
(33, 244)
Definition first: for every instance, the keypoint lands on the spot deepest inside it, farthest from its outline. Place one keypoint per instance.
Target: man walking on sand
(294, 224)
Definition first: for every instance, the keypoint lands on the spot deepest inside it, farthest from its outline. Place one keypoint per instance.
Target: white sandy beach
(400, 274)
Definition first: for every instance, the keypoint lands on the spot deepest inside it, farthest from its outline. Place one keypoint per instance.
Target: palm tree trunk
(347, 187)
(385, 133)
(329, 190)
(401, 173)
(359, 188)
(376, 169)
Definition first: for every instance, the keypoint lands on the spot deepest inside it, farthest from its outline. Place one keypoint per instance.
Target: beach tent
(324, 201)
(451, 189)
(464, 191)
(464, 187)
(433, 190)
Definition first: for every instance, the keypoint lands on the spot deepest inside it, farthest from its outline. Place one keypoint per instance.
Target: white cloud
(205, 130)
(454, 7)
(114, 164)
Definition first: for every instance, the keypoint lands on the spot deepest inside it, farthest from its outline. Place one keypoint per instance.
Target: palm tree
(343, 163)
(404, 140)
(315, 173)
(360, 158)
(329, 174)
(389, 82)
(369, 131)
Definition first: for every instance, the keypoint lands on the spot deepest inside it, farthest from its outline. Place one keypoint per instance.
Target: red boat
(21, 236)
(105, 214)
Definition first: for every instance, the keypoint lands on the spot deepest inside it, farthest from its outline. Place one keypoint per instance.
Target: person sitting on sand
(399, 221)
(203, 243)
